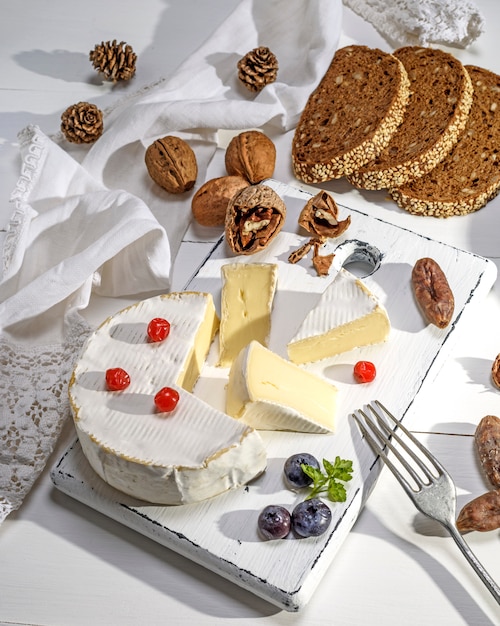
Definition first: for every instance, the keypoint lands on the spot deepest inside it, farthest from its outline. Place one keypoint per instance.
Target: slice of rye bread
(352, 114)
(439, 105)
(470, 175)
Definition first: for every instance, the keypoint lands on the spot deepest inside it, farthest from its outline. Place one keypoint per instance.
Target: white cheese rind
(208, 451)
(347, 316)
(269, 393)
(246, 303)
(193, 453)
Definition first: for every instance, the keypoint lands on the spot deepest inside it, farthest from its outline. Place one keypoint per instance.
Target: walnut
(320, 216)
(258, 68)
(251, 154)
(254, 217)
(171, 163)
(210, 202)
(82, 123)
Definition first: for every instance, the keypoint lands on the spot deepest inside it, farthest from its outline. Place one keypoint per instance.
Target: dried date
(487, 439)
(481, 514)
(495, 371)
(432, 292)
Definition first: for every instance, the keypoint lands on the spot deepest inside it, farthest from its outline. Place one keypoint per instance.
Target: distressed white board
(221, 534)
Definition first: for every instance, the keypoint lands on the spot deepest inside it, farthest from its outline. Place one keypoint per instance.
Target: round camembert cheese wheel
(193, 453)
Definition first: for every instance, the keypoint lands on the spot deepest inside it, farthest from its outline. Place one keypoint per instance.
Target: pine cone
(82, 123)
(258, 68)
(115, 60)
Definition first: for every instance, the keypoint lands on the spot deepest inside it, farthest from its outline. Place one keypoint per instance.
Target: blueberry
(274, 522)
(311, 518)
(293, 470)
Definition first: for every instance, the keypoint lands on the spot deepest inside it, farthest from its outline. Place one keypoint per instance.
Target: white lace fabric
(455, 23)
(34, 405)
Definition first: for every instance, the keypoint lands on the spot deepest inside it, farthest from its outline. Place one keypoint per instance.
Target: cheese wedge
(193, 453)
(347, 316)
(246, 303)
(270, 393)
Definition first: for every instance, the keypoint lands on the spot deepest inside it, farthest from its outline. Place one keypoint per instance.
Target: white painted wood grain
(221, 533)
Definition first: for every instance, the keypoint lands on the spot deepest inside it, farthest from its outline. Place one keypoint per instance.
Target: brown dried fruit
(432, 292)
(495, 371)
(210, 202)
(251, 154)
(172, 164)
(254, 218)
(481, 514)
(320, 216)
(487, 439)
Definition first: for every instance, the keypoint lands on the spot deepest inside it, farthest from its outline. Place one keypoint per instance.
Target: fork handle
(491, 585)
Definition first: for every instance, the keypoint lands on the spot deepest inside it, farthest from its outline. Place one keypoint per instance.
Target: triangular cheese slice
(270, 393)
(347, 316)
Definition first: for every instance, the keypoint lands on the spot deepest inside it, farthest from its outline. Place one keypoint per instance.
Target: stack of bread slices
(416, 122)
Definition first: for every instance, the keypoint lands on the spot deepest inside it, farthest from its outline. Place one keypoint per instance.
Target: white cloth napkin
(99, 224)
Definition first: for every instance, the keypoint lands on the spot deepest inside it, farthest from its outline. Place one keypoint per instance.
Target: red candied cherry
(158, 329)
(364, 372)
(117, 379)
(166, 399)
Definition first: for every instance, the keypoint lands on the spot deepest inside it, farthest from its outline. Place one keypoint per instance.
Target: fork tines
(381, 436)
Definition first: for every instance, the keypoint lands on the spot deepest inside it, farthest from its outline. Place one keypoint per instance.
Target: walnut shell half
(320, 216)
(254, 217)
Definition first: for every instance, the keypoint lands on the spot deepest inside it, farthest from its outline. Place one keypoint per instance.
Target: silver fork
(433, 491)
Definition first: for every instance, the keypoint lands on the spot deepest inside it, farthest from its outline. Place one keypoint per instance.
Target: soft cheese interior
(246, 303)
(347, 316)
(270, 393)
(192, 454)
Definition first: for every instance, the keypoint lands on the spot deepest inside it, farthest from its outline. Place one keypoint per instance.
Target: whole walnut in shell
(251, 154)
(210, 202)
(171, 163)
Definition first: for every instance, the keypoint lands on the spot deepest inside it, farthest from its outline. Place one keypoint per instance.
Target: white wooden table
(62, 563)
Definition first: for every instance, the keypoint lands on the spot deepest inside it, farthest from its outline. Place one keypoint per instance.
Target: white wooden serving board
(221, 534)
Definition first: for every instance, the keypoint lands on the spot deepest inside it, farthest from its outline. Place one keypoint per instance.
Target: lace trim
(22, 214)
(33, 388)
(422, 22)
